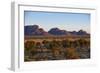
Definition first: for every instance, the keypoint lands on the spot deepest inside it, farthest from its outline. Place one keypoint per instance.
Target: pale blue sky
(66, 21)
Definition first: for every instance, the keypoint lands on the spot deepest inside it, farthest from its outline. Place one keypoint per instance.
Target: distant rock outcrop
(35, 30)
(57, 31)
(30, 29)
(81, 32)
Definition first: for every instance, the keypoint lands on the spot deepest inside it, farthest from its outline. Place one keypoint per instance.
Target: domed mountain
(57, 31)
(34, 30)
(29, 29)
(81, 32)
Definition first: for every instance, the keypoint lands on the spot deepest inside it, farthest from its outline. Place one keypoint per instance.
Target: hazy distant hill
(35, 30)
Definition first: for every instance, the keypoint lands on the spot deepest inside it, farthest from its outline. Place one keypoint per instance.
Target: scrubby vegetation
(56, 49)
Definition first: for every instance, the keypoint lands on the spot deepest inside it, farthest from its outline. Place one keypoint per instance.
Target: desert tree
(28, 46)
(65, 43)
(71, 53)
